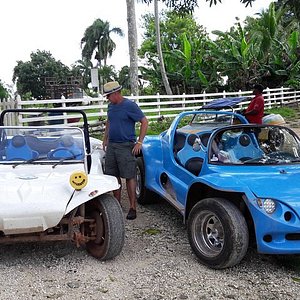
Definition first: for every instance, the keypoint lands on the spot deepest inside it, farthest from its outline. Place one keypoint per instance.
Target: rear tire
(143, 195)
(218, 233)
(109, 227)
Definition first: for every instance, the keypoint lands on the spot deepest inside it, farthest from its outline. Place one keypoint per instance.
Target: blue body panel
(278, 182)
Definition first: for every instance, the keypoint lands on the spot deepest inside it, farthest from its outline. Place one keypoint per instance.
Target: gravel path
(154, 264)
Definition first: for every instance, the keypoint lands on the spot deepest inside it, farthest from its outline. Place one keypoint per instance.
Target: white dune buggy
(52, 187)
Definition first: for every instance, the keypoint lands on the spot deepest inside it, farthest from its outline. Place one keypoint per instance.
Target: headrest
(67, 140)
(18, 141)
(191, 139)
(244, 140)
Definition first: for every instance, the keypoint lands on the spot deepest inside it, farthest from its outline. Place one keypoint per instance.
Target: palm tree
(97, 40)
(132, 42)
(159, 51)
(83, 68)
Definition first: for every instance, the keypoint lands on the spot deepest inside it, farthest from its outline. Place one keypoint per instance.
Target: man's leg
(131, 186)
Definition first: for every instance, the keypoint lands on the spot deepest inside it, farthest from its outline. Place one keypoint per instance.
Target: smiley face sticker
(78, 180)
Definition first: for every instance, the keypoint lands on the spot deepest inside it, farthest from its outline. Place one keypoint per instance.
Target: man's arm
(251, 112)
(143, 130)
(105, 138)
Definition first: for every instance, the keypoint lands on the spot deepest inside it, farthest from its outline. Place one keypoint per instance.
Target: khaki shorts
(119, 160)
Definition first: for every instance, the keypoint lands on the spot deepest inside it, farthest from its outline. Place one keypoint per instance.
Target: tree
(4, 93)
(97, 41)
(184, 46)
(182, 7)
(132, 42)
(82, 68)
(292, 6)
(30, 76)
(159, 51)
(188, 6)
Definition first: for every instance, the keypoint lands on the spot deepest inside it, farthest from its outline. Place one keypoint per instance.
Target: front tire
(218, 233)
(143, 195)
(109, 227)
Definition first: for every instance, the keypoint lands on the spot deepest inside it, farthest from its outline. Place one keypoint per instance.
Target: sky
(57, 26)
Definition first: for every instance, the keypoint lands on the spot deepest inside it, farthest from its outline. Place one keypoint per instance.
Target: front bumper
(278, 233)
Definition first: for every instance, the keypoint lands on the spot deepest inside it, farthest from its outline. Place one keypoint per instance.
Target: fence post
(158, 105)
(204, 97)
(19, 106)
(183, 100)
(64, 106)
(101, 101)
(137, 101)
(281, 96)
(269, 105)
(224, 94)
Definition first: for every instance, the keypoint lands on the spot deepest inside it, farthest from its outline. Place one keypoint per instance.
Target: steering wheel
(60, 153)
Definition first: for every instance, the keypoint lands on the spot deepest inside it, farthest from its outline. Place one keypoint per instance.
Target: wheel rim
(97, 247)
(208, 233)
(138, 182)
(100, 232)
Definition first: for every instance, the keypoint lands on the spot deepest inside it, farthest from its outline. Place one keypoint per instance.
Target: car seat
(67, 148)
(246, 148)
(189, 157)
(179, 141)
(17, 149)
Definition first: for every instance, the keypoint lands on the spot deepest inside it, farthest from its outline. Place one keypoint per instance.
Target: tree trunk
(159, 51)
(99, 66)
(132, 43)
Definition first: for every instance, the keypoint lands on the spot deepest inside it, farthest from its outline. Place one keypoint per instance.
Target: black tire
(143, 195)
(109, 227)
(217, 233)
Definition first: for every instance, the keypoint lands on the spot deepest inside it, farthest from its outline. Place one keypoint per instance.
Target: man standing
(120, 141)
(255, 111)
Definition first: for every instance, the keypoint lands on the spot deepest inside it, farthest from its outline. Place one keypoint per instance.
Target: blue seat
(17, 149)
(189, 156)
(67, 148)
(246, 148)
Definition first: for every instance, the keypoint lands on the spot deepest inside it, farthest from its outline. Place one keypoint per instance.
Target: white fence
(154, 107)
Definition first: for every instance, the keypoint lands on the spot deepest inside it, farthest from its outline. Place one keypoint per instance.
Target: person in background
(120, 142)
(255, 111)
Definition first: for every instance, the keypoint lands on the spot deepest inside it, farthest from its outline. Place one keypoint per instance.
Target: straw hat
(111, 87)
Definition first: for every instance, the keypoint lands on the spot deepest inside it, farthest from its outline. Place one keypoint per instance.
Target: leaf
(293, 40)
(202, 78)
(152, 231)
(187, 48)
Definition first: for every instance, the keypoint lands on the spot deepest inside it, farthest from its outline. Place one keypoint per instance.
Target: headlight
(269, 206)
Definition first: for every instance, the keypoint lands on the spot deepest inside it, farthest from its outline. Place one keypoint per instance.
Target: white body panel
(35, 197)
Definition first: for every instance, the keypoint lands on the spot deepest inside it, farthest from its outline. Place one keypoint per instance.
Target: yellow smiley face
(78, 180)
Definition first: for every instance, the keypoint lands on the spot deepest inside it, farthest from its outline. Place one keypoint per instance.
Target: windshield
(255, 145)
(42, 144)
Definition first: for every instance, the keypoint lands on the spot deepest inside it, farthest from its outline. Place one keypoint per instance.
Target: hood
(38, 194)
(282, 183)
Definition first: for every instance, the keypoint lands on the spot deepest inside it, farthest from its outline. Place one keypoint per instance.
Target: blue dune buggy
(231, 181)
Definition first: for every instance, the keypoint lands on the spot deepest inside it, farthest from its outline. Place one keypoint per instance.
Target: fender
(92, 190)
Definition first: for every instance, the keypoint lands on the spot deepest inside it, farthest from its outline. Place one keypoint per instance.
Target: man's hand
(137, 148)
(104, 145)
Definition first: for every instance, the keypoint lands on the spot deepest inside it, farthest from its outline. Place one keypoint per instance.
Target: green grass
(285, 112)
